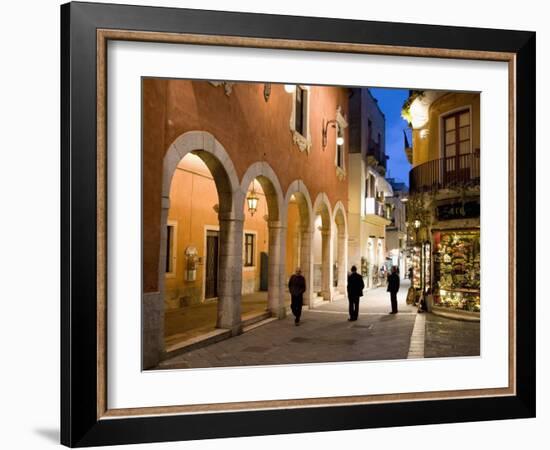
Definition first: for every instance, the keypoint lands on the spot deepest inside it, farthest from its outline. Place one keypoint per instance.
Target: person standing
(297, 287)
(393, 288)
(355, 291)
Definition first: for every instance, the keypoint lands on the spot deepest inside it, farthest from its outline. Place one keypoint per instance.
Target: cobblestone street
(449, 337)
(325, 335)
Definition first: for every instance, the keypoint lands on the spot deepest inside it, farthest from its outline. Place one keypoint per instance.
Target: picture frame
(86, 419)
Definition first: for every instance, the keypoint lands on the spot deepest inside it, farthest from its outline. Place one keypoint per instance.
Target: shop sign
(459, 210)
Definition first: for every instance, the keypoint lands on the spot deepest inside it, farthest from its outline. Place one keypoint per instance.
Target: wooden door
(211, 276)
(456, 145)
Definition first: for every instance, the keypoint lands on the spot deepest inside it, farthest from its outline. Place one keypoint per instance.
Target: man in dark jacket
(355, 290)
(297, 287)
(393, 287)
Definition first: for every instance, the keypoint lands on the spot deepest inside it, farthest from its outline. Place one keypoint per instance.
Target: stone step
(193, 343)
(316, 301)
(338, 296)
(254, 325)
(252, 318)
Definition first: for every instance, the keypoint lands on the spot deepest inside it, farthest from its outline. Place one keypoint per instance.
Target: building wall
(193, 198)
(366, 232)
(430, 147)
(250, 130)
(364, 107)
(371, 111)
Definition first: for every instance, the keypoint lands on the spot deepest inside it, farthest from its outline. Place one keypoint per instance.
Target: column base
(278, 312)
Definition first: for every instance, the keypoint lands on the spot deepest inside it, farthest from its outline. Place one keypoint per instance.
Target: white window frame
(303, 142)
(254, 251)
(341, 124)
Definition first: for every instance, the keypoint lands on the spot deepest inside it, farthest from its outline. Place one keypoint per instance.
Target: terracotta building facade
(242, 183)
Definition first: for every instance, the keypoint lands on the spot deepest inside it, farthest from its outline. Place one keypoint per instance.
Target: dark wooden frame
(85, 420)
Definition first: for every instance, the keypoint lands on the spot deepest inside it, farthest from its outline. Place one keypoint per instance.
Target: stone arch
(216, 158)
(214, 155)
(271, 186)
(269, 181)
(303, 240)
(341, 236)
(299, 189)
(322, 208)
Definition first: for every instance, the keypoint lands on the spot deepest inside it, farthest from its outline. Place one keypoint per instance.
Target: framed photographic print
(276, 224)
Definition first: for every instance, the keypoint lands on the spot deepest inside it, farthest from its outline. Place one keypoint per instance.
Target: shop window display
(457, 270)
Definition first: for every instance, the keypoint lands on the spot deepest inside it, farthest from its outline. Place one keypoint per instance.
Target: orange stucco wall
(292, 239)
(249, 128)
(193, 197)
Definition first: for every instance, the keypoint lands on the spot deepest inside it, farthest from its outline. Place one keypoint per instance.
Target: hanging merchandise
(457, 269)
(417, 267)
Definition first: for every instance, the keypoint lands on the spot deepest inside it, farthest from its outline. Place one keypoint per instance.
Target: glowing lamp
(252, 201)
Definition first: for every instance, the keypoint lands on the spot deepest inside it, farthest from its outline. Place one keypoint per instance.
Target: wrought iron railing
(445, 173)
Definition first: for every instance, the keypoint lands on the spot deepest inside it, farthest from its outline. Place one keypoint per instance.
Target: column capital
(275, 224)
(229, 217)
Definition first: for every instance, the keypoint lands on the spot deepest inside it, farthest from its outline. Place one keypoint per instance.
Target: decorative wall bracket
(227, 86)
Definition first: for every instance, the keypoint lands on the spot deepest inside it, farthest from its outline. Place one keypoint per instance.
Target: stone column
(342, 262)
(153, 303)
(230, 274)
(275, 291)
(306, 263)
(326, 269)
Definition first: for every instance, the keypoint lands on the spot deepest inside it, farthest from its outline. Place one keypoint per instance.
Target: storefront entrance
(457, 269)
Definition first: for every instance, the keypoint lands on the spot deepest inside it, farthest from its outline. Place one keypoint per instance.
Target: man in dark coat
(393, 287)
(355, 291)
(297, 287)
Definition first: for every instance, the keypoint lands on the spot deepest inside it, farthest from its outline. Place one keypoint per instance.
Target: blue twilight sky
(390, 102)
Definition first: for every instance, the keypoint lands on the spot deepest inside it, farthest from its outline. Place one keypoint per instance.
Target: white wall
(30, 152)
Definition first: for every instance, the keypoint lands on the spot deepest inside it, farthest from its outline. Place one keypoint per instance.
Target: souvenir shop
(448, 267)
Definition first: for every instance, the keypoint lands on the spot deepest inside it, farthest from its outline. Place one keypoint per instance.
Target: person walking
(297, 287)
(355, 291)
(393, 288)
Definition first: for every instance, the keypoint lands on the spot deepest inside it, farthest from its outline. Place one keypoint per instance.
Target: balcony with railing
(374, 207)
(443, 173)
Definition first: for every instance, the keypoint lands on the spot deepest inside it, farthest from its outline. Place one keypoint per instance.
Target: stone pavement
(325, 335)
(448, 337)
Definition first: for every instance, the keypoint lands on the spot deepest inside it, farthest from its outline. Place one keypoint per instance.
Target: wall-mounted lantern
(191, 263)
(252, 200)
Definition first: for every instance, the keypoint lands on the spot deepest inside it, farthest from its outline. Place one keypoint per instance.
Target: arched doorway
(322, 248)
(298, 220)
(340, 249)
(198, 225)
(261, 179)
